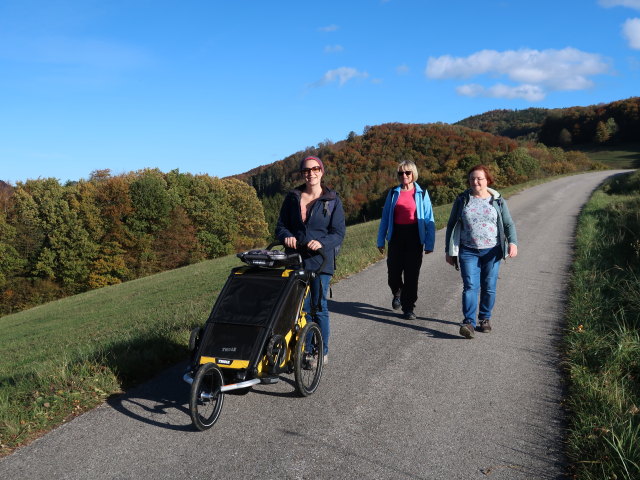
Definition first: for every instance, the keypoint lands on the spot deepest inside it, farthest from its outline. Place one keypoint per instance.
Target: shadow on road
(157, 401)
(389, 317)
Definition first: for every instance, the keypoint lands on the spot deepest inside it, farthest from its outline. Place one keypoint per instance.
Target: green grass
(67, 356)
(622, 156)
(603, 335)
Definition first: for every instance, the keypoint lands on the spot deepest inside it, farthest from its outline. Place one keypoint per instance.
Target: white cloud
(333, 48)
(341, 75)
(620, 3)
(534, 71)
(328, 28)
(631, 31)
(402, 69)
(532, 93)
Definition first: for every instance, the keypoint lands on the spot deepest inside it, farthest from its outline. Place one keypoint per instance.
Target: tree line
(602, 124)
(362, 167)
(57, 240)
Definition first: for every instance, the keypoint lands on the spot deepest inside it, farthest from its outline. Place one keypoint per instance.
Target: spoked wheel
(308, 359)
(205, 401)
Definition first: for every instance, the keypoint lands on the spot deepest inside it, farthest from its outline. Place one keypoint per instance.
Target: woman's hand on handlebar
(314, 245)
(290, 242)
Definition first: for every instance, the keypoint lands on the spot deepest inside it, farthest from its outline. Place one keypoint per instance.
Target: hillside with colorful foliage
(57, 240)
(595, 125)
(362, 167)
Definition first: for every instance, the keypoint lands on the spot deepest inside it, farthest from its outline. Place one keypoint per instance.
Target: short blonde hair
(408, 165)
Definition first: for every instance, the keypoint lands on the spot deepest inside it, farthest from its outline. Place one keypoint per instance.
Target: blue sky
(220, 87)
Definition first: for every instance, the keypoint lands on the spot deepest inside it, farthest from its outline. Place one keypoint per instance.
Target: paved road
(399, 400)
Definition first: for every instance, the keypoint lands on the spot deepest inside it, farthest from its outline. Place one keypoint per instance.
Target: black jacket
(325, 223)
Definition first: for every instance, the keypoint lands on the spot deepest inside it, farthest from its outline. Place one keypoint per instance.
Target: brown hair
(487, 173)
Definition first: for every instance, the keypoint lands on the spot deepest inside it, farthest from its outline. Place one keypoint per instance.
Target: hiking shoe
(485, 326)
(396, 302)
(466, 330)
(409, 315)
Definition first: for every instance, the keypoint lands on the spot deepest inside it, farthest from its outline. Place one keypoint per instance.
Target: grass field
(602, 340)
(627, 156)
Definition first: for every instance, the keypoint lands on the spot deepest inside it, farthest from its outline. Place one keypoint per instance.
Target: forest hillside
(362, 167)
(595, 125)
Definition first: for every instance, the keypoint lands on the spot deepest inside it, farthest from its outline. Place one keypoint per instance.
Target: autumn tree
(602, 133)
(10, 260)
(248, 215)
(177, 245)
(564, 138)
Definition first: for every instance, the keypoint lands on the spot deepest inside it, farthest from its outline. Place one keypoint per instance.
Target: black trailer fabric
(249, 300)
(233, 341)
(254, 304)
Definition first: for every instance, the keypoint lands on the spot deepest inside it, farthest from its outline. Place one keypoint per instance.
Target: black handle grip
(320, 251)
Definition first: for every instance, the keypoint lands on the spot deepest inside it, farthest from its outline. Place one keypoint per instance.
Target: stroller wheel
(194, 339)
(308, 359)
(276, 351)
(205, 401)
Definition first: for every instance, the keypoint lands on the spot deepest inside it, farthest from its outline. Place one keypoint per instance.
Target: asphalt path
(399, 399)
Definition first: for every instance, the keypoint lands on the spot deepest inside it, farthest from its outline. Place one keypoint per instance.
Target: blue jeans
(479, 269)
(321, 317)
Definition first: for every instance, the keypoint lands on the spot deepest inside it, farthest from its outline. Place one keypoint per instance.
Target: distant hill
(603, 124)
(517, 124)
(362, 167)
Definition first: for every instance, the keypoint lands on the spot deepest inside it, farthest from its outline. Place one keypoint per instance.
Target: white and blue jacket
(424, 213)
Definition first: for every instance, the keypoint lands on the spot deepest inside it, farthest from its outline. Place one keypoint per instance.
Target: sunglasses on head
(315, 169)
(408, 173)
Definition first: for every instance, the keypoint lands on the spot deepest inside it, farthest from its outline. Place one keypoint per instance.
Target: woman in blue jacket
(312, 217)
(480, 233)
(408, 226)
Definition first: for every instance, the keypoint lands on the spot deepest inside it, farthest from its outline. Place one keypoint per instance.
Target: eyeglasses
(306, 171)
(408, 173)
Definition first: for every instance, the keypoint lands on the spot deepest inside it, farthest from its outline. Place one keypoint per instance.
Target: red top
(404, 212)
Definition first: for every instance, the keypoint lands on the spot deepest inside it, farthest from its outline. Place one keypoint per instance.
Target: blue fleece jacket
(424, 213)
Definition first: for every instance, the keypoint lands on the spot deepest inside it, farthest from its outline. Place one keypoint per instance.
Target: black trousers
(404, 260)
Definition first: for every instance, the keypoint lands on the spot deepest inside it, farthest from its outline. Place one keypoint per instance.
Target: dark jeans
(404, 260)
(321, 317)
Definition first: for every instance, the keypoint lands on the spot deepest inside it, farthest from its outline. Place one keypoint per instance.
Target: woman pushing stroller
(311, 218)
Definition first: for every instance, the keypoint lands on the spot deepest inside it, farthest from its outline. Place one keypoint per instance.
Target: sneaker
(485, 326)
(409, 315)
(313, 363)
(396, 302)
(466, 330)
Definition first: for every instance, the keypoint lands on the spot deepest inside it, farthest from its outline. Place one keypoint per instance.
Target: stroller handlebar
(320, 251)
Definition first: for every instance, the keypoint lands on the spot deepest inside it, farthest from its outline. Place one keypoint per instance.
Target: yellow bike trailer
(255, 332)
